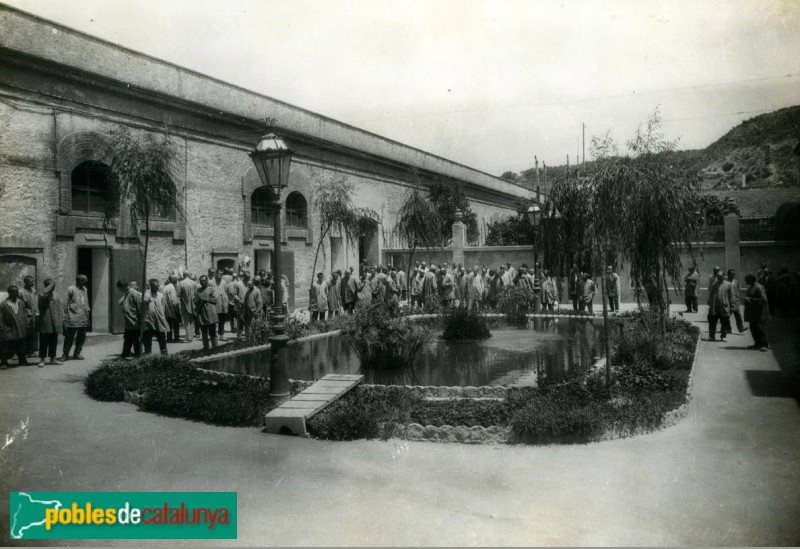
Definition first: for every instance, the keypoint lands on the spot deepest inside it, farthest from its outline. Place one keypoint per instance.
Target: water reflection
(543, 349)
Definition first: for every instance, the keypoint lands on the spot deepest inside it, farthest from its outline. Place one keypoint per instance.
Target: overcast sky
(486, 83)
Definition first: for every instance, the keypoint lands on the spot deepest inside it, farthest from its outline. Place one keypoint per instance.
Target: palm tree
(141, 177)
(332, 199)
(418, 225)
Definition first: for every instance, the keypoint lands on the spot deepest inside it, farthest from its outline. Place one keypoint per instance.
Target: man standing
(319, 298)
(13, 328)
(428, 284)
(252, 304)
(187, 288)
(28, 297)
(172, 310)
(690, 289)
(236, 291)
(756, 312)
(349, 292)
(612, 289)
(219, 285)
(76, 318)
(416, 288)
(335, 295)
(205, 302)
(720, 297)
(154, 318)
(549, 292)
(131, 302)
(735, 300)
(588, 293)
(448, 289)
(50, 323)
(476, 288)
(575, 286)
(392, 290)
(402, 283)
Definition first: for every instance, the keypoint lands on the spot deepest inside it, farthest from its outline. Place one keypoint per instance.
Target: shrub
(466, 412)
(640, 341)
(222, 400)
(363, 414)
(515, 302)
(112, 378)
(258, 333)
(381, 341)
(460, 324)
(171, 386)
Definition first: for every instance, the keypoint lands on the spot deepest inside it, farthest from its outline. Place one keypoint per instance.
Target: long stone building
(61, 91)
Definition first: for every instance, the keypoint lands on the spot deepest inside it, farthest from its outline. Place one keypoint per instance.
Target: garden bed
(651, 385)
(650, 388)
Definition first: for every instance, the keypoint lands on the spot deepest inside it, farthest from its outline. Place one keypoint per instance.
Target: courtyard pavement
(727, 474)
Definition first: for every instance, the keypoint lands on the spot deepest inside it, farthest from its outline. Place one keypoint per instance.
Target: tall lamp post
(534, 215)
(272, 159)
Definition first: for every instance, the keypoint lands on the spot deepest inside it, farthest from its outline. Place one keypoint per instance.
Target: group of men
(724, 301)
(27, 313)
(450, 285)
(202, 306)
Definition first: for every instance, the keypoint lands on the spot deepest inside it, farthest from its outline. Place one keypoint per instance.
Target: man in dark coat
(29, 298)
(690, 289)
(205, 304)
(575, 287)
(756, 312)
(13, 328)
(720, 297)
(50, 323)
(131, 302)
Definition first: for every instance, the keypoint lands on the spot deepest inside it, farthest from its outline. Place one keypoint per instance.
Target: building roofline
(14, 36)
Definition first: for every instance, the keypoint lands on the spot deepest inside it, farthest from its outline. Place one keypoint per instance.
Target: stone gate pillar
(733, 255)
(459, 239)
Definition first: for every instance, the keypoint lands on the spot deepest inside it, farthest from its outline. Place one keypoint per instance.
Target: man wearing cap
(720, 297)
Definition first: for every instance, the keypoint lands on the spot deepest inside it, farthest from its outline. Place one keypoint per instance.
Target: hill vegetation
(760, 151)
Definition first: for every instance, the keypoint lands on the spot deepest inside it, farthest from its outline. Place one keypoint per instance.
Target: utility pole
(584, 145)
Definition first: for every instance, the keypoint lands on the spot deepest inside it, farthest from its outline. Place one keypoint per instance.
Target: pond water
(544, 348)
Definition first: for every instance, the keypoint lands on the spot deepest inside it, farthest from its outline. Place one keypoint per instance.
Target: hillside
(758, 153)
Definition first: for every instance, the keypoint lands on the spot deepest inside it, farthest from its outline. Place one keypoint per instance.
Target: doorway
(224, 264)
(94, 263)
(368, 247)
(263, 260)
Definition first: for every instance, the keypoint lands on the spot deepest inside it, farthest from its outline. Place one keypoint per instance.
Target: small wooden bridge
(290, 417)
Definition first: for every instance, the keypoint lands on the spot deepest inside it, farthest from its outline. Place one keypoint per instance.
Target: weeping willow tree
(418, 225)
(633, 207)
(140, 178)
(332, 200)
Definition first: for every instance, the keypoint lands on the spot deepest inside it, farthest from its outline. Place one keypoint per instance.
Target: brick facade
(54, 116)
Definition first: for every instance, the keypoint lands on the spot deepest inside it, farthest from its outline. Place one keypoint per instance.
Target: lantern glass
(272, 159)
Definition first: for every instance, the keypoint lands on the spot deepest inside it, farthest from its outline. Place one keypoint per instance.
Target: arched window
(296, 210)
(89, 188)
(261, 213)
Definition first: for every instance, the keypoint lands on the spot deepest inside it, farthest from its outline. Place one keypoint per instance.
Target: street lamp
(534, 215)
(272, 159)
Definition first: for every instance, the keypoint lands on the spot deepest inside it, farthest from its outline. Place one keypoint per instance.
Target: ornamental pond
(515, 356)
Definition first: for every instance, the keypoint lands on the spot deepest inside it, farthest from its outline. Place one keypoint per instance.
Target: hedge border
(505, 435)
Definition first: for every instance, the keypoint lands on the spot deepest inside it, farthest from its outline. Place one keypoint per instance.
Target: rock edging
(448, 433)
(432, 391)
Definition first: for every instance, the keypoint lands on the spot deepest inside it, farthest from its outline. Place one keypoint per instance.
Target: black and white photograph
(400, 273)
